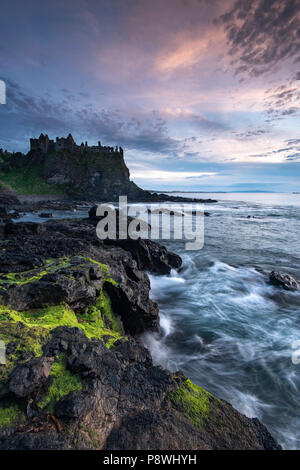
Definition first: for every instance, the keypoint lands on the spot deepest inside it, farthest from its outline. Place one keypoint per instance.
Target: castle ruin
(46, 145)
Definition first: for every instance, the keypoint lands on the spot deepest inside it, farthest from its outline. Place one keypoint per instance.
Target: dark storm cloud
(146, 133)
(262, 33)
(26, 115)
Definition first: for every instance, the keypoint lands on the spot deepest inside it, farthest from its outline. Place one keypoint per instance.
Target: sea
(222, 322)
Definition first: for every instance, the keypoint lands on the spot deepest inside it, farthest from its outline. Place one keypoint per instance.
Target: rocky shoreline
(77, 376)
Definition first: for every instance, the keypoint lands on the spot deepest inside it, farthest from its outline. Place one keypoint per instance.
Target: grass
(29, 180)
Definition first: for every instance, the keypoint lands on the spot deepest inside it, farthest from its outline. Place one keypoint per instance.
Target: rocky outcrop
(68, 263)
(76, 376)
(286, 281)
(120, 400)
(8, 197)
(30, 376)
(88, 175)
(148, 255)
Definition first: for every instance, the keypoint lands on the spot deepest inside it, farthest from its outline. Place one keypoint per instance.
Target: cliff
(76, 376)
(90, 175)
(87, 175)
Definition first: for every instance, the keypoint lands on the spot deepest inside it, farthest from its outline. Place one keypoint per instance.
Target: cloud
(159, 175)
(251, 133)
(26, 115)
(283, 100)
(197, 121)
(291, 151)
(262, 34)
(147, 172)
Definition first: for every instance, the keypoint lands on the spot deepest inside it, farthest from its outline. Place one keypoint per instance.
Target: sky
(203, 95)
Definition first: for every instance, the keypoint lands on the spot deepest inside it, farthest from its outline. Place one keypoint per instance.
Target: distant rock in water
(286, 281)
(45, 215)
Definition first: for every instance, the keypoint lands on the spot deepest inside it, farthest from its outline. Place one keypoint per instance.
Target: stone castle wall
(46, 145)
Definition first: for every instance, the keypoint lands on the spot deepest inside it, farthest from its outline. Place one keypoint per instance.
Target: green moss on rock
(63, 383)
(193, 401)
(10, 415)
(27, 331)
(25, 341)
(36, 274)
(99, 320)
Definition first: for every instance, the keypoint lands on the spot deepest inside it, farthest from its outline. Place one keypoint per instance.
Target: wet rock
(129, 293)
(67, 341)
(16, 261)
(286, 281)
(46, 215)
(8, 197)
(24, 228)
(67, 285)
(44, 440)
(4, 212)
(137, 312)
(124, 403)
(41, 294)
(149, 255)
(76, 405)
(28, 377)
(88, 361)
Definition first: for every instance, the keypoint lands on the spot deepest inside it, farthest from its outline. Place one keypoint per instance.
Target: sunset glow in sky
(201, 94)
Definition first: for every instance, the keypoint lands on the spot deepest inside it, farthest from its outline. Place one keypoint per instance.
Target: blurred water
(224, 325)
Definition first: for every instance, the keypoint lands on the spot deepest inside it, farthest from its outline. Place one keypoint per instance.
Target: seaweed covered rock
(75, 281)
(68, 263)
